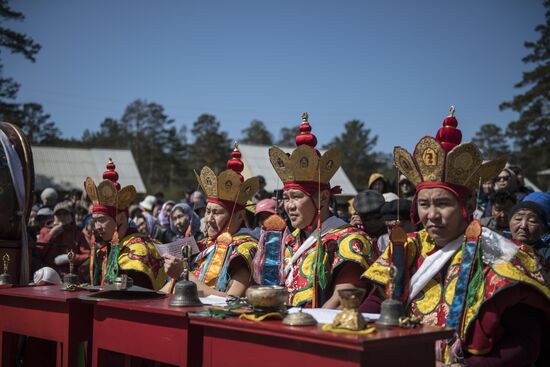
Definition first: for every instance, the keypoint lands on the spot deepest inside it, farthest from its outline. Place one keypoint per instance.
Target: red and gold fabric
(345, 244)
(138, 254)
(215, 261)
(433, 303)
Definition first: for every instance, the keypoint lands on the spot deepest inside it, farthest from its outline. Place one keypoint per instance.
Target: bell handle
(6, 260)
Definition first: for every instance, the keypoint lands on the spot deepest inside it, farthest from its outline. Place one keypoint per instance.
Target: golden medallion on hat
(305, 168)
(108, 197)
(445, 162)
(229, 188)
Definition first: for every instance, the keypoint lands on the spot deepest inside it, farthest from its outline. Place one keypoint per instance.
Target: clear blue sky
(396, 65)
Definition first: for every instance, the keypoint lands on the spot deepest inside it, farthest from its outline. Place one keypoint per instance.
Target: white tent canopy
(66, 169)
(256, 163)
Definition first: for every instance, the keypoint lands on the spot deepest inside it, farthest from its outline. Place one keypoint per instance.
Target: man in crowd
(367, 206)
(262, 193)
(458, 274)
(501, 202)
(198, 203)
(507, 181)
(114, 242)
(224, 267)
(343, 251)
(48, 197)
(406, 188)
(62, 236)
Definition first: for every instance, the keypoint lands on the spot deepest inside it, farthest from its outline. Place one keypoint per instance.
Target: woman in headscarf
(184, 222)
(164, 215)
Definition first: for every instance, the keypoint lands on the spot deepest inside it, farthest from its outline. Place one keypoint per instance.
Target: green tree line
(166, 157)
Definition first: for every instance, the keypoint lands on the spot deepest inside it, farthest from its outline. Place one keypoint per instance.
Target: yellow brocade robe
(432, 304)
(211, 266)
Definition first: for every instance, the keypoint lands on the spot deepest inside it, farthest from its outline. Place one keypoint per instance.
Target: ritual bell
(391, 309)
(5, 277)
(70, 279)
(185, 291)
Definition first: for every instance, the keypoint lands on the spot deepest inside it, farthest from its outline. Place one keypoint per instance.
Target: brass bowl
(266, 296)
(351, 298)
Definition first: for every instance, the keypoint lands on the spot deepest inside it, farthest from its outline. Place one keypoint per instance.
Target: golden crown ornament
(445, 159)
(229, 186)
(108, 194)
(305, 163)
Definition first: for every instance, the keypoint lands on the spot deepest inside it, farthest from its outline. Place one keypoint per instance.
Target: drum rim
(28, 165)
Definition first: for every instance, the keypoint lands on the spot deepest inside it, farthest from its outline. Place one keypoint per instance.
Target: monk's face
(104, 226)
(440, 214)
(218, 219)
(299, 207)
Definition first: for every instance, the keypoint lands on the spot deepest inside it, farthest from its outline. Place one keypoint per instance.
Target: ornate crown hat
(305, 168)
(107, 197)
(444, 162)
(229, 188)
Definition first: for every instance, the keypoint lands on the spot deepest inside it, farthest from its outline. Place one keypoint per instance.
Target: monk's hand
(172, 266)
(356, 221)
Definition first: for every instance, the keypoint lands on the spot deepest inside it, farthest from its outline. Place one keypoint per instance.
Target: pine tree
(491, 141)
(356, 146)
(288, 136)
(211, 147)
(16, 43)
(257, 133)
(531, 131)
(34, 123)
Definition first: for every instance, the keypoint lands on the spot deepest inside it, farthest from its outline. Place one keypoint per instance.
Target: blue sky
(396, 65)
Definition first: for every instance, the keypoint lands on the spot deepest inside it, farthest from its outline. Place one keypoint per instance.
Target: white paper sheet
(213, 300)
(326, 316)
(174, 248)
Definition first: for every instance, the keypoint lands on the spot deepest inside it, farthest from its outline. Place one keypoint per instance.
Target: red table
(149, 329)
(44, 312)
(234, 342)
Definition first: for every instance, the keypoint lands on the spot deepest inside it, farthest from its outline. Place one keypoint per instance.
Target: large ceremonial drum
(15, 151)
(10, 220)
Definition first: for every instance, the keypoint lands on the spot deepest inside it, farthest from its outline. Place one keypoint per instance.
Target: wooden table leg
(8, 349)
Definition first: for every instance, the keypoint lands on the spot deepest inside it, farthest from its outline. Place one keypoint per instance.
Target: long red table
(149, 329)
(234, 342)
(152, 330)
(44, 312)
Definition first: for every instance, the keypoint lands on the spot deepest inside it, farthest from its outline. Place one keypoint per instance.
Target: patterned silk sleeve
(245, 247)
(138, 253)
(353, 246)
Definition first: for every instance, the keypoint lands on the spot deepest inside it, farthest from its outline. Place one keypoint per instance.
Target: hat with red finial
(229, 188)
(445, 162)
(107, 197)
(305, 169)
